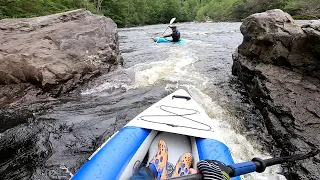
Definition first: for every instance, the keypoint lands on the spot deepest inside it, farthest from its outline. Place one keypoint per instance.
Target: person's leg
(143, 173)
(158, 164)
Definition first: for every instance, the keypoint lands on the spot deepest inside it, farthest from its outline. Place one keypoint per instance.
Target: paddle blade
(172, 20)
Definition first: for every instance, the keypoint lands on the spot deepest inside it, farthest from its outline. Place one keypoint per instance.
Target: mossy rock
(25, 24)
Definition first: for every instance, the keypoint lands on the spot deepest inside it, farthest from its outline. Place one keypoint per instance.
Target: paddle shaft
(256, 164)
(236, 169)
(188, 177)
(171, 21)
(165, 31)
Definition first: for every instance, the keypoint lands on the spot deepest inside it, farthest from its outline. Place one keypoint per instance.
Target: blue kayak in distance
(164, 40)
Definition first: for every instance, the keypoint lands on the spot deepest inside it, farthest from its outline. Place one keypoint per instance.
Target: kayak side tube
(214, 150)
(116, 157)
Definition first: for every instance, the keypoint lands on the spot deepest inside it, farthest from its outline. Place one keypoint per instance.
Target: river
(56, 143)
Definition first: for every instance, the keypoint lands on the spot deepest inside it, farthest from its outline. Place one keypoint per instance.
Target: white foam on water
(107, 86)
(177, 68)
(174, 69)
(66, 170)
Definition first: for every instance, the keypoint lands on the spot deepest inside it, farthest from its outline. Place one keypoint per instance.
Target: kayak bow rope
(171, 21)
(256, 164)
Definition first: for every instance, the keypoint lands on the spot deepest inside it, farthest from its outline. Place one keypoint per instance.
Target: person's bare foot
(183, 165)
(192, 171)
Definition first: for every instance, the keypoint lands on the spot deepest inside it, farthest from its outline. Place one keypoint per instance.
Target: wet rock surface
(28, 144)
(279, 64)
(54, 53)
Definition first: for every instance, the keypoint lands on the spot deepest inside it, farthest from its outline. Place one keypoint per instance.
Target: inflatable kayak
(178, 120)
(164, 40)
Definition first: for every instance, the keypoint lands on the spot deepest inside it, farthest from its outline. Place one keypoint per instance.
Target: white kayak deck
(178, 115)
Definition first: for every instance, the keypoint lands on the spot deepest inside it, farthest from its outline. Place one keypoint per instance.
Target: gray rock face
(273, 37)
(279, 64)
(56, 52)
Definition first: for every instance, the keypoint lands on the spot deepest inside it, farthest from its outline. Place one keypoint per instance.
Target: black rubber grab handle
(181, 97)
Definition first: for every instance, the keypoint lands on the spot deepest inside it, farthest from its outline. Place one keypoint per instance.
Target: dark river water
(54, 144)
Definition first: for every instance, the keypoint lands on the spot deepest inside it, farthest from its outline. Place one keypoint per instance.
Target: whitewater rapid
(202, 66)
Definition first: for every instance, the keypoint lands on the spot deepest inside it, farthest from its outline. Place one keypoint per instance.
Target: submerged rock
(55, 53)
(279, 64)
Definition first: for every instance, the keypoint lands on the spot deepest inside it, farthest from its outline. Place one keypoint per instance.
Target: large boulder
(279, 64)
(312, 30)
(273, 37)
(57, 52)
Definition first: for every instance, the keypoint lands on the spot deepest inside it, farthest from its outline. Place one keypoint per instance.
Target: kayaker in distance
(157, 169)
(175, 34)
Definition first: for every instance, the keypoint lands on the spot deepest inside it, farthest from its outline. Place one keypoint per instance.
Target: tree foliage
(139, 12)
(32, 8)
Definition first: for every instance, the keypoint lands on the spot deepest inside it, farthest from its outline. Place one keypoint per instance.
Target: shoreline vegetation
(128, 13)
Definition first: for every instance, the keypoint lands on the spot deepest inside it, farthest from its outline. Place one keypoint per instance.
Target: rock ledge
(279, 64)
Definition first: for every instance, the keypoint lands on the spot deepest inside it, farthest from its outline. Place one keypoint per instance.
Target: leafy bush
(139, 12)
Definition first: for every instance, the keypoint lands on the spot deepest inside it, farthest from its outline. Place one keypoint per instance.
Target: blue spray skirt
(164, 40)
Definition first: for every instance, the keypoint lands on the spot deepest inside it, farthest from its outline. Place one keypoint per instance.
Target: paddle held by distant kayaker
(175, 34)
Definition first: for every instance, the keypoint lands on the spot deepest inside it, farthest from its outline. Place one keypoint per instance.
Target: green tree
(303, 9)
(32, 8)
(139, 12)
(248, 7)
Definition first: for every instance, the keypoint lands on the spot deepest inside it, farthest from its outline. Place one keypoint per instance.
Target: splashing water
(241, 149)
(107, 87)
(175, 69)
